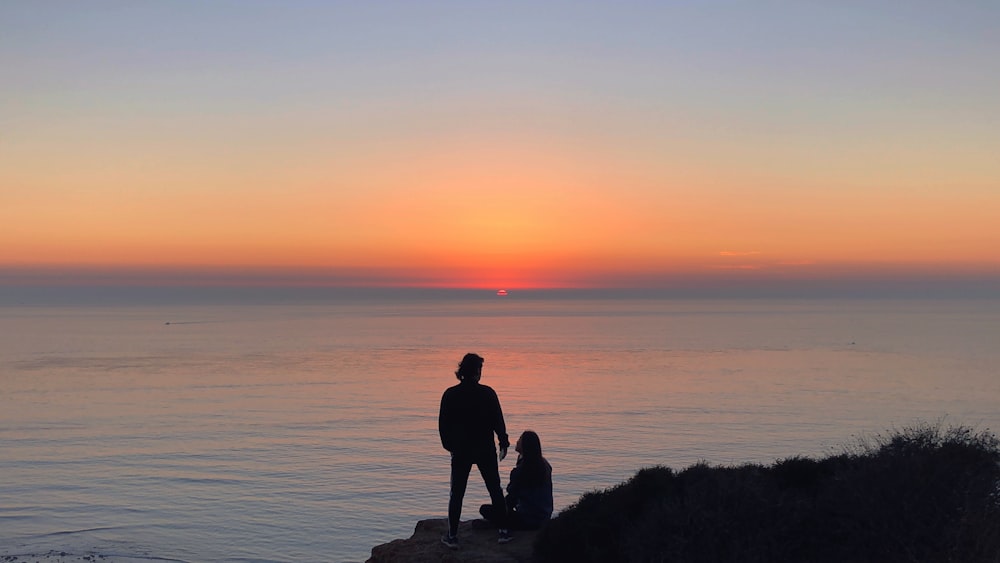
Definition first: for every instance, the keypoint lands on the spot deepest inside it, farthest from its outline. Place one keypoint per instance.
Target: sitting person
(529, 492)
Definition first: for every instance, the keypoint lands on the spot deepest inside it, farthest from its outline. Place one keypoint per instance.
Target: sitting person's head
(534, 469)
(529, 445)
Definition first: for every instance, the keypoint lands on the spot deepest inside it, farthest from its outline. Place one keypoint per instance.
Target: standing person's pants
(461, 466)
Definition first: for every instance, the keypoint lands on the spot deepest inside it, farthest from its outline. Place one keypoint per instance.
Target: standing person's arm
(499, 426)
(446, 426)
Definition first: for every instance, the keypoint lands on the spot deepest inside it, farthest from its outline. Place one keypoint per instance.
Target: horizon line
(107, 293)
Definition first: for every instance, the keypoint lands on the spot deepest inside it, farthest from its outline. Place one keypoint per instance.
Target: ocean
(306, 431)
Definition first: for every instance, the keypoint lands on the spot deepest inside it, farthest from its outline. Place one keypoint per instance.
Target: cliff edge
(478, 543)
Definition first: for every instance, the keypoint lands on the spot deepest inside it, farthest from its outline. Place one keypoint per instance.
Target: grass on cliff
(919, 494)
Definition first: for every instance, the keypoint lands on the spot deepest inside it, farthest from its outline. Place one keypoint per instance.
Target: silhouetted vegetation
(920, 494)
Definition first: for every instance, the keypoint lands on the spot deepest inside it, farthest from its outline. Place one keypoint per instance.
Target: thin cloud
(738, 267)
(739, 253)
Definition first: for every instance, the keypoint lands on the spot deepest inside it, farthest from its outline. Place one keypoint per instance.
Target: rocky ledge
(478, 543)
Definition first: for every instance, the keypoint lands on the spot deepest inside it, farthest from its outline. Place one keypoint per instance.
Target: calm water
(308, 433)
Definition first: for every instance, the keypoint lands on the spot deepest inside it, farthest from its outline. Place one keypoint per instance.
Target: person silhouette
(529, 491)
(470, 414)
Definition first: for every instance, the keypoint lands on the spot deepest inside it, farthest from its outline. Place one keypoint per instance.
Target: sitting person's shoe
(504, 536)
(450, 540)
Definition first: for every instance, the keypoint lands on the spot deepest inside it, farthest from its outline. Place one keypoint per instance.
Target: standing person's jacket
(470, 415)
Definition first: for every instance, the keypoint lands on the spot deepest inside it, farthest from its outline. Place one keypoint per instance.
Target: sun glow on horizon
(332, 147)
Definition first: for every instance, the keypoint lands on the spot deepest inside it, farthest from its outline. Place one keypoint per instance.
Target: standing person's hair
(471, 365)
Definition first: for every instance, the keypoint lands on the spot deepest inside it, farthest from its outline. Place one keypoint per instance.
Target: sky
(498, 144)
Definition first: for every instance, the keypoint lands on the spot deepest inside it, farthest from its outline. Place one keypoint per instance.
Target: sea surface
(307, 431)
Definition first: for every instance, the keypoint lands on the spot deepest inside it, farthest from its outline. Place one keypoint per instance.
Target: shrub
(920, 494)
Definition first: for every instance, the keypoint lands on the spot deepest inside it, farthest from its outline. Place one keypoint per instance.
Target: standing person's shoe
(450, 540)
(504, 536)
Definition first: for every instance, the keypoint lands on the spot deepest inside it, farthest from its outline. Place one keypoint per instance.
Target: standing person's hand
(503, 454)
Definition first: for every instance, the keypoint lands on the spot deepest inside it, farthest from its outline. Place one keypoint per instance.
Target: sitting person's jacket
(529, 493)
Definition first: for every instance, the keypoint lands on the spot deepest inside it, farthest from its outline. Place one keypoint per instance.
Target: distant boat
(502, 292)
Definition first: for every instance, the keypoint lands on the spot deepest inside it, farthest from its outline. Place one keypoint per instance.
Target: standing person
(529, 492)
(470, 415)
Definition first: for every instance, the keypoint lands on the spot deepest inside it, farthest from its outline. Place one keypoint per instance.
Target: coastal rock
(478, 543)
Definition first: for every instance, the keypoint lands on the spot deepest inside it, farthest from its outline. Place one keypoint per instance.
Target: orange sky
(467, 164)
